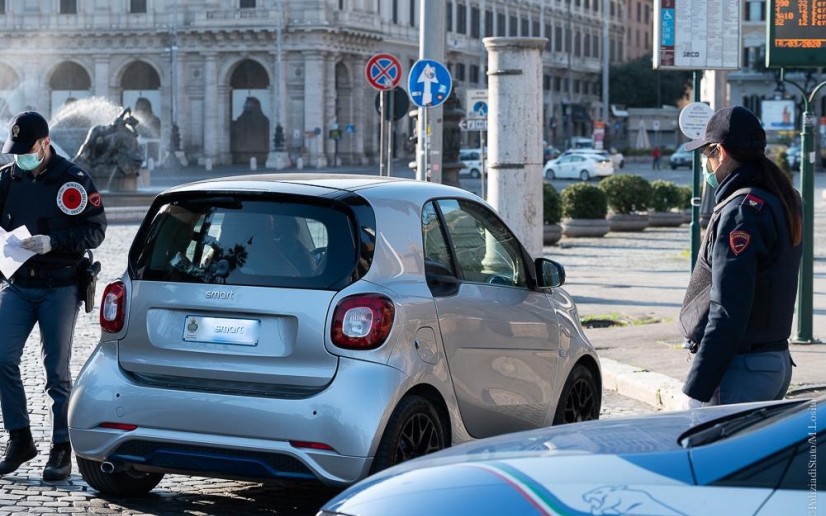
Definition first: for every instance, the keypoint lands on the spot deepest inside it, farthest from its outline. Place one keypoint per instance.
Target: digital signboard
(796, 34)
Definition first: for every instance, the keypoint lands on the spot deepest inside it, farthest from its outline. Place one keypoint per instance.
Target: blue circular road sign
(429, 83)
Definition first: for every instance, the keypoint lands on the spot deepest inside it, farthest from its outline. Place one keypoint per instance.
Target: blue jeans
(55, 310)
(755, 377)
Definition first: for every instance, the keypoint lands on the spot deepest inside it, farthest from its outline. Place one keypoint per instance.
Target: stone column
(314, 88)
(515, 135)
(330, 115)
(210, 110)
(361, 109)
(100, 87)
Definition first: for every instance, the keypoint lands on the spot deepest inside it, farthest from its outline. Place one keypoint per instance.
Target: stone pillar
(330, 116)
(277, 158)
(314, 106)
(211, 109)
(101, 79)
(515, 135)
(361, 109)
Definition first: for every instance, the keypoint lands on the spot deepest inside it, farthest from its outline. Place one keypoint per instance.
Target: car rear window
(247, 241)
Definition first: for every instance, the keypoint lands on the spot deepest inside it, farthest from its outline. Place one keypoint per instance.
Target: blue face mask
(708, 174)
(28, 161)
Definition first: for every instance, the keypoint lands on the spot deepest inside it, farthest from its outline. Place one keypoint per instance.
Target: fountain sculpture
(112, 154)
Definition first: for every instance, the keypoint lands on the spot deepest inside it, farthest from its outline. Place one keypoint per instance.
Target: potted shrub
(584, 207)
(665, 198)
(551, 215)
(628, 197)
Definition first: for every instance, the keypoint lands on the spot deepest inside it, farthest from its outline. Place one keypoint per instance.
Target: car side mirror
(549, 273)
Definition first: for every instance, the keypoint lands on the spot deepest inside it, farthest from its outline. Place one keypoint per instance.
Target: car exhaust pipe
(107, 467)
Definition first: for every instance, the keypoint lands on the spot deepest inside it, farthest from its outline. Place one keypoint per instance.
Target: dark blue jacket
(754, 274)
(61, 202)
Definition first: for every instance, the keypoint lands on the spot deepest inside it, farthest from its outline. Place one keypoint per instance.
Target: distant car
(322, 327)
(617, 159)
(472, 161)
(577, 165)
(756, 459)
(681, 158)
(793, 158)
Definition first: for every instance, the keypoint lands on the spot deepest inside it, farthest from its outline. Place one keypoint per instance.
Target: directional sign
(473, 125)
(383, 71)
(429, 83)
(477, 104)
(400, 103)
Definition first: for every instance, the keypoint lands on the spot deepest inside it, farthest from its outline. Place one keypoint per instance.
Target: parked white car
(577, 165)
(472, 160)
(617, 158)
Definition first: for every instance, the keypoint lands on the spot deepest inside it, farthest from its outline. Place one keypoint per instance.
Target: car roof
(326, 185)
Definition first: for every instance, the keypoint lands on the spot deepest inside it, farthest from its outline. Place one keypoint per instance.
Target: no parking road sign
(383, 71)
(429, 83)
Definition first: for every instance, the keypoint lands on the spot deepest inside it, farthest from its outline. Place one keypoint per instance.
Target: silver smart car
(322, 327)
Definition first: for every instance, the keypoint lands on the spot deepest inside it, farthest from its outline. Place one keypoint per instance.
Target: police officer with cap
(738, 308)
(58, 204)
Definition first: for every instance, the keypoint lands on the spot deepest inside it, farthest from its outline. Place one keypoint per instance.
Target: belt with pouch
(44, 276)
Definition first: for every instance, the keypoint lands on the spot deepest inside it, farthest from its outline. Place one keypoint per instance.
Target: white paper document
(13, 256)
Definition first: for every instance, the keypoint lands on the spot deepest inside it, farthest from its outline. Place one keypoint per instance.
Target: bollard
(253, 163)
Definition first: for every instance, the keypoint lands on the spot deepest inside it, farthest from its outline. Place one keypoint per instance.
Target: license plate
(220, 330)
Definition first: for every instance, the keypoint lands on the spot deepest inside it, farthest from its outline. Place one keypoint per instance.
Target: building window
(513, 30)
(756, 11)
(595, 45)
(546, 82)
(449, 17)
(548, 36)
(412, 12)
(558, 39)
(68, 6)
(474, 74)
(500, 25)
(475, 15)
(567, 39)
(137, 6)
(488, 23)
(535, 29)
(557, 84)
(245, 4)
(577, 44)
(587, 4)
(2, 6)
(460, 72)
(395, 14)
(576, 86)
(647, 40)
(461, 18)
(586, 46)
(647, 14)
(525, 27)
(639, 12)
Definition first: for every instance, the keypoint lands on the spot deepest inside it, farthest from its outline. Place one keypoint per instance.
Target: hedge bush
(551, 205)
(584, 201)
(665, 195)
(627, 193)
(686, 194)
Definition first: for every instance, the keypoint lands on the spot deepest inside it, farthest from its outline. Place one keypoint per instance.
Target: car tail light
(113, 307)
(312, 445)
(126, 427)
(362, 322)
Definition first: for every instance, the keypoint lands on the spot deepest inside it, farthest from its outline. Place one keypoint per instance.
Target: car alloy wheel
(580, 399)
(474, 173)
(414, 429)
(584, 175)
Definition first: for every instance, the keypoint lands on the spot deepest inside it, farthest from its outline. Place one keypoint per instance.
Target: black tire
(414, 429)
(673, 167)
(580, 399)
(120, 483)
(474, 173)
(584, 175)
(549, 175)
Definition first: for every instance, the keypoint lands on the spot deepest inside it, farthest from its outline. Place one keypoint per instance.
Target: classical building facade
(226, 73)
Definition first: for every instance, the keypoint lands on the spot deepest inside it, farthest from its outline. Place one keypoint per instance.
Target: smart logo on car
(220, 294)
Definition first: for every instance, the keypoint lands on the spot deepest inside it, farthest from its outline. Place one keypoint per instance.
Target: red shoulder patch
(753, 201)
(94, 200)
(739, 241)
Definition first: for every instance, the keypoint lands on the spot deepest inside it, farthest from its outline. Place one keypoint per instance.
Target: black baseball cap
(733, 127)
(25, 129)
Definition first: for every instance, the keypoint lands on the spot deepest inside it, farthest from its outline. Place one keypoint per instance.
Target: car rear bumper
(232, 436)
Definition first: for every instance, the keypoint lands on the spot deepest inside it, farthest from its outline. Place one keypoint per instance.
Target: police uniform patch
(753, 201)
(739, 241)
(72, 198)
(94, 200)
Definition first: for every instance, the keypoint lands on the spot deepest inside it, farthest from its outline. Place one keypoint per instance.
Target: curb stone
(655, 389)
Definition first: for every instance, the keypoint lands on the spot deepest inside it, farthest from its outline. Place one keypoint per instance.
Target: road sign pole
(696, 190)
(390, 135)
(382, 112)
(805, 290)
(483, 175)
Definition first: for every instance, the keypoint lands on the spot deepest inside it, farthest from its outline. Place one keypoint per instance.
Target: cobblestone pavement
(23, 492)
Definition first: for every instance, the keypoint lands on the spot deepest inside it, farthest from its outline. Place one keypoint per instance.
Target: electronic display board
(796, 34)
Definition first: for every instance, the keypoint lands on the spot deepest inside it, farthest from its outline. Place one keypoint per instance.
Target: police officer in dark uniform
(738, 309)
(58, 204)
